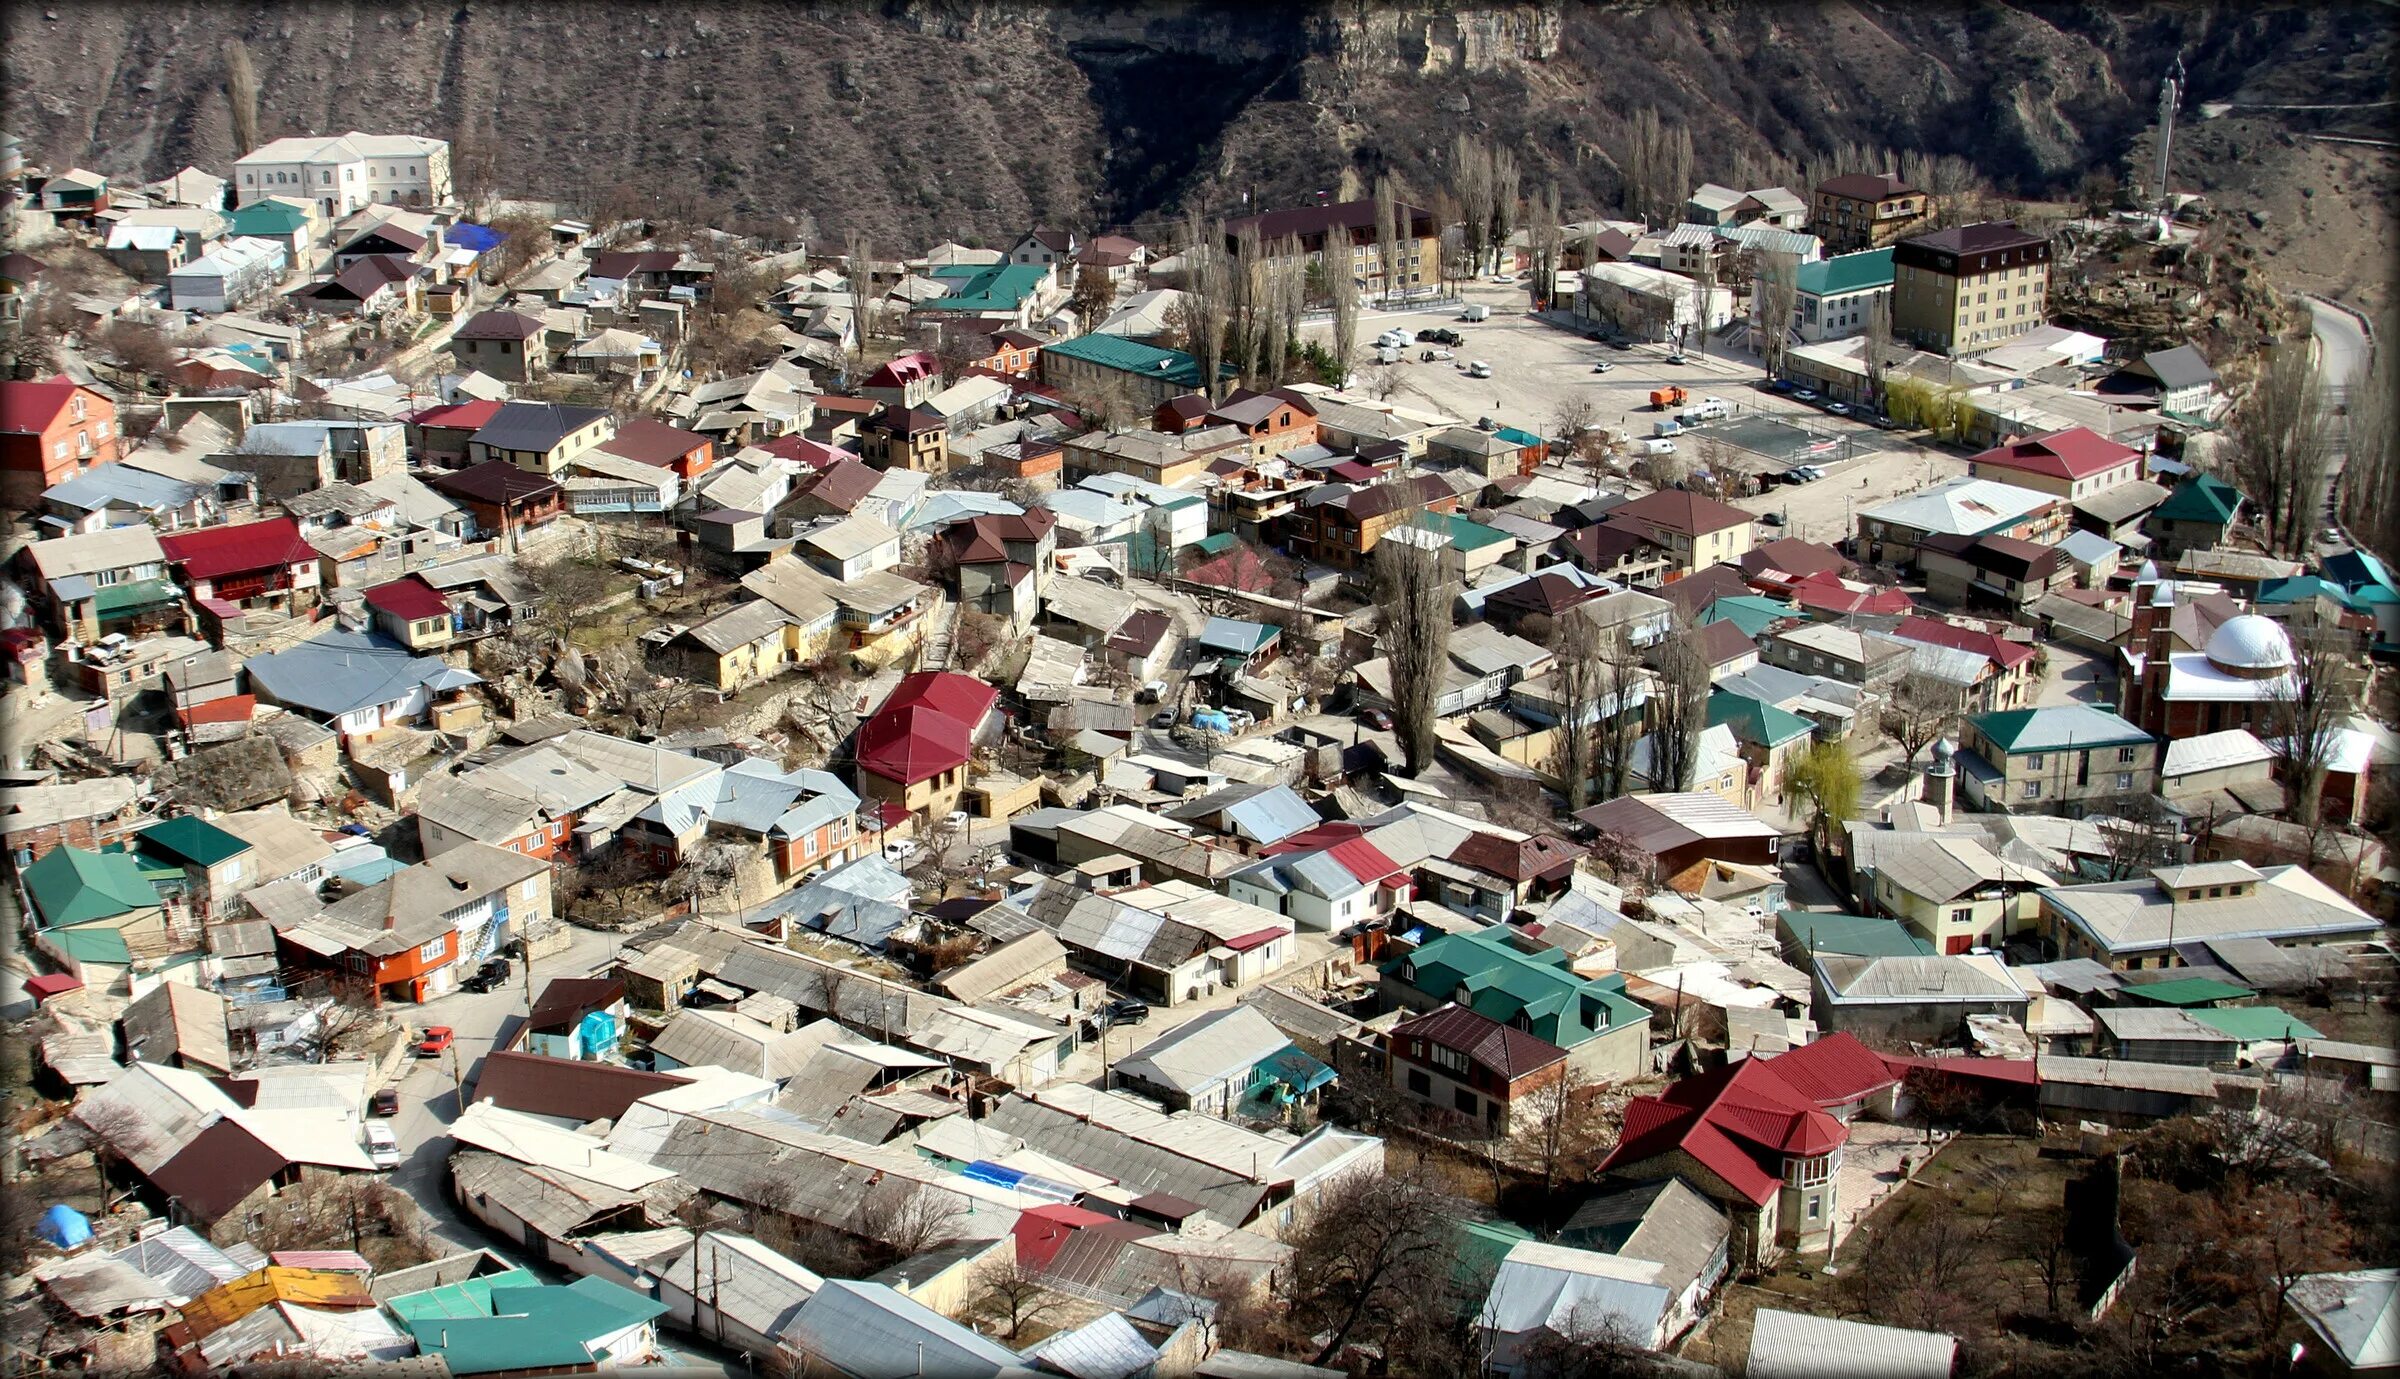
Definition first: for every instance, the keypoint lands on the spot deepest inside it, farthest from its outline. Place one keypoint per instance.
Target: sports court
(1779, 441)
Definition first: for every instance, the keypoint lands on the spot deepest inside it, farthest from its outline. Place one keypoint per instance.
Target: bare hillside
(923, 118)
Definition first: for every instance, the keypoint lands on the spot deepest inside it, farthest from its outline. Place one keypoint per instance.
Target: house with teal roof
(1752, 613)
(70, 886)
(2195, 516)
(1090, 365)
(529, 1327)
(2043, 760)
(202, 863)
(1474, 547)
(1836, 295)
(288, 221)
(1767, 737)
(1808, 933)
(1605, 1032)
(998, 293)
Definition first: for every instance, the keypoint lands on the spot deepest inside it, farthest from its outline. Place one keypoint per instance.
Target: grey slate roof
(870, 1331)
(534, 425)
(338, 672)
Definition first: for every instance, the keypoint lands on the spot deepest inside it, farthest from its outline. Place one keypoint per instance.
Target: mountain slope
(916, 120)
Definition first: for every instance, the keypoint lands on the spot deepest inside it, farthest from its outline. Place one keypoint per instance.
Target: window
(432, 952)
(1816, 1207)
(1962, 916)
(1449, 1060)
(1464, 1100)
(2124, 755)
(2124, 780)
(2033, 790)
(2033, 761)
(1419, 1083)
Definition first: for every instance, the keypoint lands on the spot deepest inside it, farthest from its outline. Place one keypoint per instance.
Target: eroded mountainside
(922, 118)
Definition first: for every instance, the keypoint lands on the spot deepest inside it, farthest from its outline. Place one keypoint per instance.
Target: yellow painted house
(1953, 892)
(743, 646)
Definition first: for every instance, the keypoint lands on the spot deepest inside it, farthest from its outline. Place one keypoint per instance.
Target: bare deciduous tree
(1778, 294)
(1545, 241)
(1341, 289)
(1471, 179)
(2307, 712)
(1021, 1293)
(2370, 473)
(2278, 441)
(1922, 707)
(1878, 354)
(1374, 1252)
(2137, 834)
(860, 255)
(1678, 712)
(1415, 598)
(1095, 296)
(1580, 675)
(1506, 176)
(1387, 235)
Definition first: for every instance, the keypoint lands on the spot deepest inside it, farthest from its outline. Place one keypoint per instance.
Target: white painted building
(220, 281)
(344, 172)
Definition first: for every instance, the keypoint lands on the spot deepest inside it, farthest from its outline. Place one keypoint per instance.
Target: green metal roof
(999, 287)
(1217, 544)
(1845, 273)
(2253, 1024)
(93, 943)
(2188, 991)
(267, 218)
(1464, 533)
(71, 886)
(2201, 498)
(1517, 437)
(195, 841)
(529, 1326)
(1756, 721)
(466, 1298)
(2057, 728)
(135, 594)
(1131, 356)
(1499, 982)
(1749, 612)
(1854, 936)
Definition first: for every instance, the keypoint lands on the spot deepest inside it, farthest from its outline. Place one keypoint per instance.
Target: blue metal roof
(465, 235)
(116, 483)
(1271, 815)
(339, 672)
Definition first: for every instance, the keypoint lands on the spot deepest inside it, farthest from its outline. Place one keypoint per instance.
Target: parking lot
(1537, 368)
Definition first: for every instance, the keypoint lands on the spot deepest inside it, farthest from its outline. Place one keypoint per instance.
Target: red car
(436, 1039)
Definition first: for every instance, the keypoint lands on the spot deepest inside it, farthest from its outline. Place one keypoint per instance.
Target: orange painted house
(50, 431)
(1014, 352)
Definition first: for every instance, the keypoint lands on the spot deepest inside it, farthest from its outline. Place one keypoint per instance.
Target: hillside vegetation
(919, 119)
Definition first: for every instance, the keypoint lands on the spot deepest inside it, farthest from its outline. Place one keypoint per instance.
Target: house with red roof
(505, 344)
(51, 430)
(915, 750)
(649, 442)
(264, 564)
(1468, 1064)
(1696, 531)
(1323, 881)
(1487, 876)
(2072, 464)
(2007, 679)
(904, 382)
(1001, 564)
(1762, 1138)
(439, 435)
(411, 612)
(1830, 598)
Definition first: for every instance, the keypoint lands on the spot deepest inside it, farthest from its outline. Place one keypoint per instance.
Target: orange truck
(1669, 396)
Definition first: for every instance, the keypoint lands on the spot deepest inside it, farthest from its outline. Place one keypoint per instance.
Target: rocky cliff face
(930, 118)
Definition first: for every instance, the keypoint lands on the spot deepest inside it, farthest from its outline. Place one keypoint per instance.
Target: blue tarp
(480, 238)
(599, 1033)
(64, 1227)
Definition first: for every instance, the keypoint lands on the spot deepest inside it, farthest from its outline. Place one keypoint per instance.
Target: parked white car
(1479, 369)
(382, 1146)
(900, 851)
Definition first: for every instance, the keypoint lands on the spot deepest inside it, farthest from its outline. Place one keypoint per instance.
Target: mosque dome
(2250, 643)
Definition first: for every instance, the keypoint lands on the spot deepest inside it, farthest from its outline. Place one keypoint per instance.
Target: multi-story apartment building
(1416, 257)
(1970, 288)
(343, 172)
(1864, 210)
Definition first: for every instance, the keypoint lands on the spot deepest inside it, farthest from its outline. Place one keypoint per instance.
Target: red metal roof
(233, 708)
(1826, 592)
(2007, 653)
(409, 597)
(31, 407)
(2075, 453)
(457, 416)
(1835, 1070)
(1512, 1053)
(2018, 1072)
(44, 985)
(215, 552)
(1363, 860)
(1739, 1122)
(1315, 837)
(1673, 510)
(926, 727)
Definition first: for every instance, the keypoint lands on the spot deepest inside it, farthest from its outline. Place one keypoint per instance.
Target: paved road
(2342, 345)
(429, 1088)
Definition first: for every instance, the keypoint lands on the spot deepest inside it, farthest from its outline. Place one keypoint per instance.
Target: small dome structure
(2149, 573)
(2250, 644)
